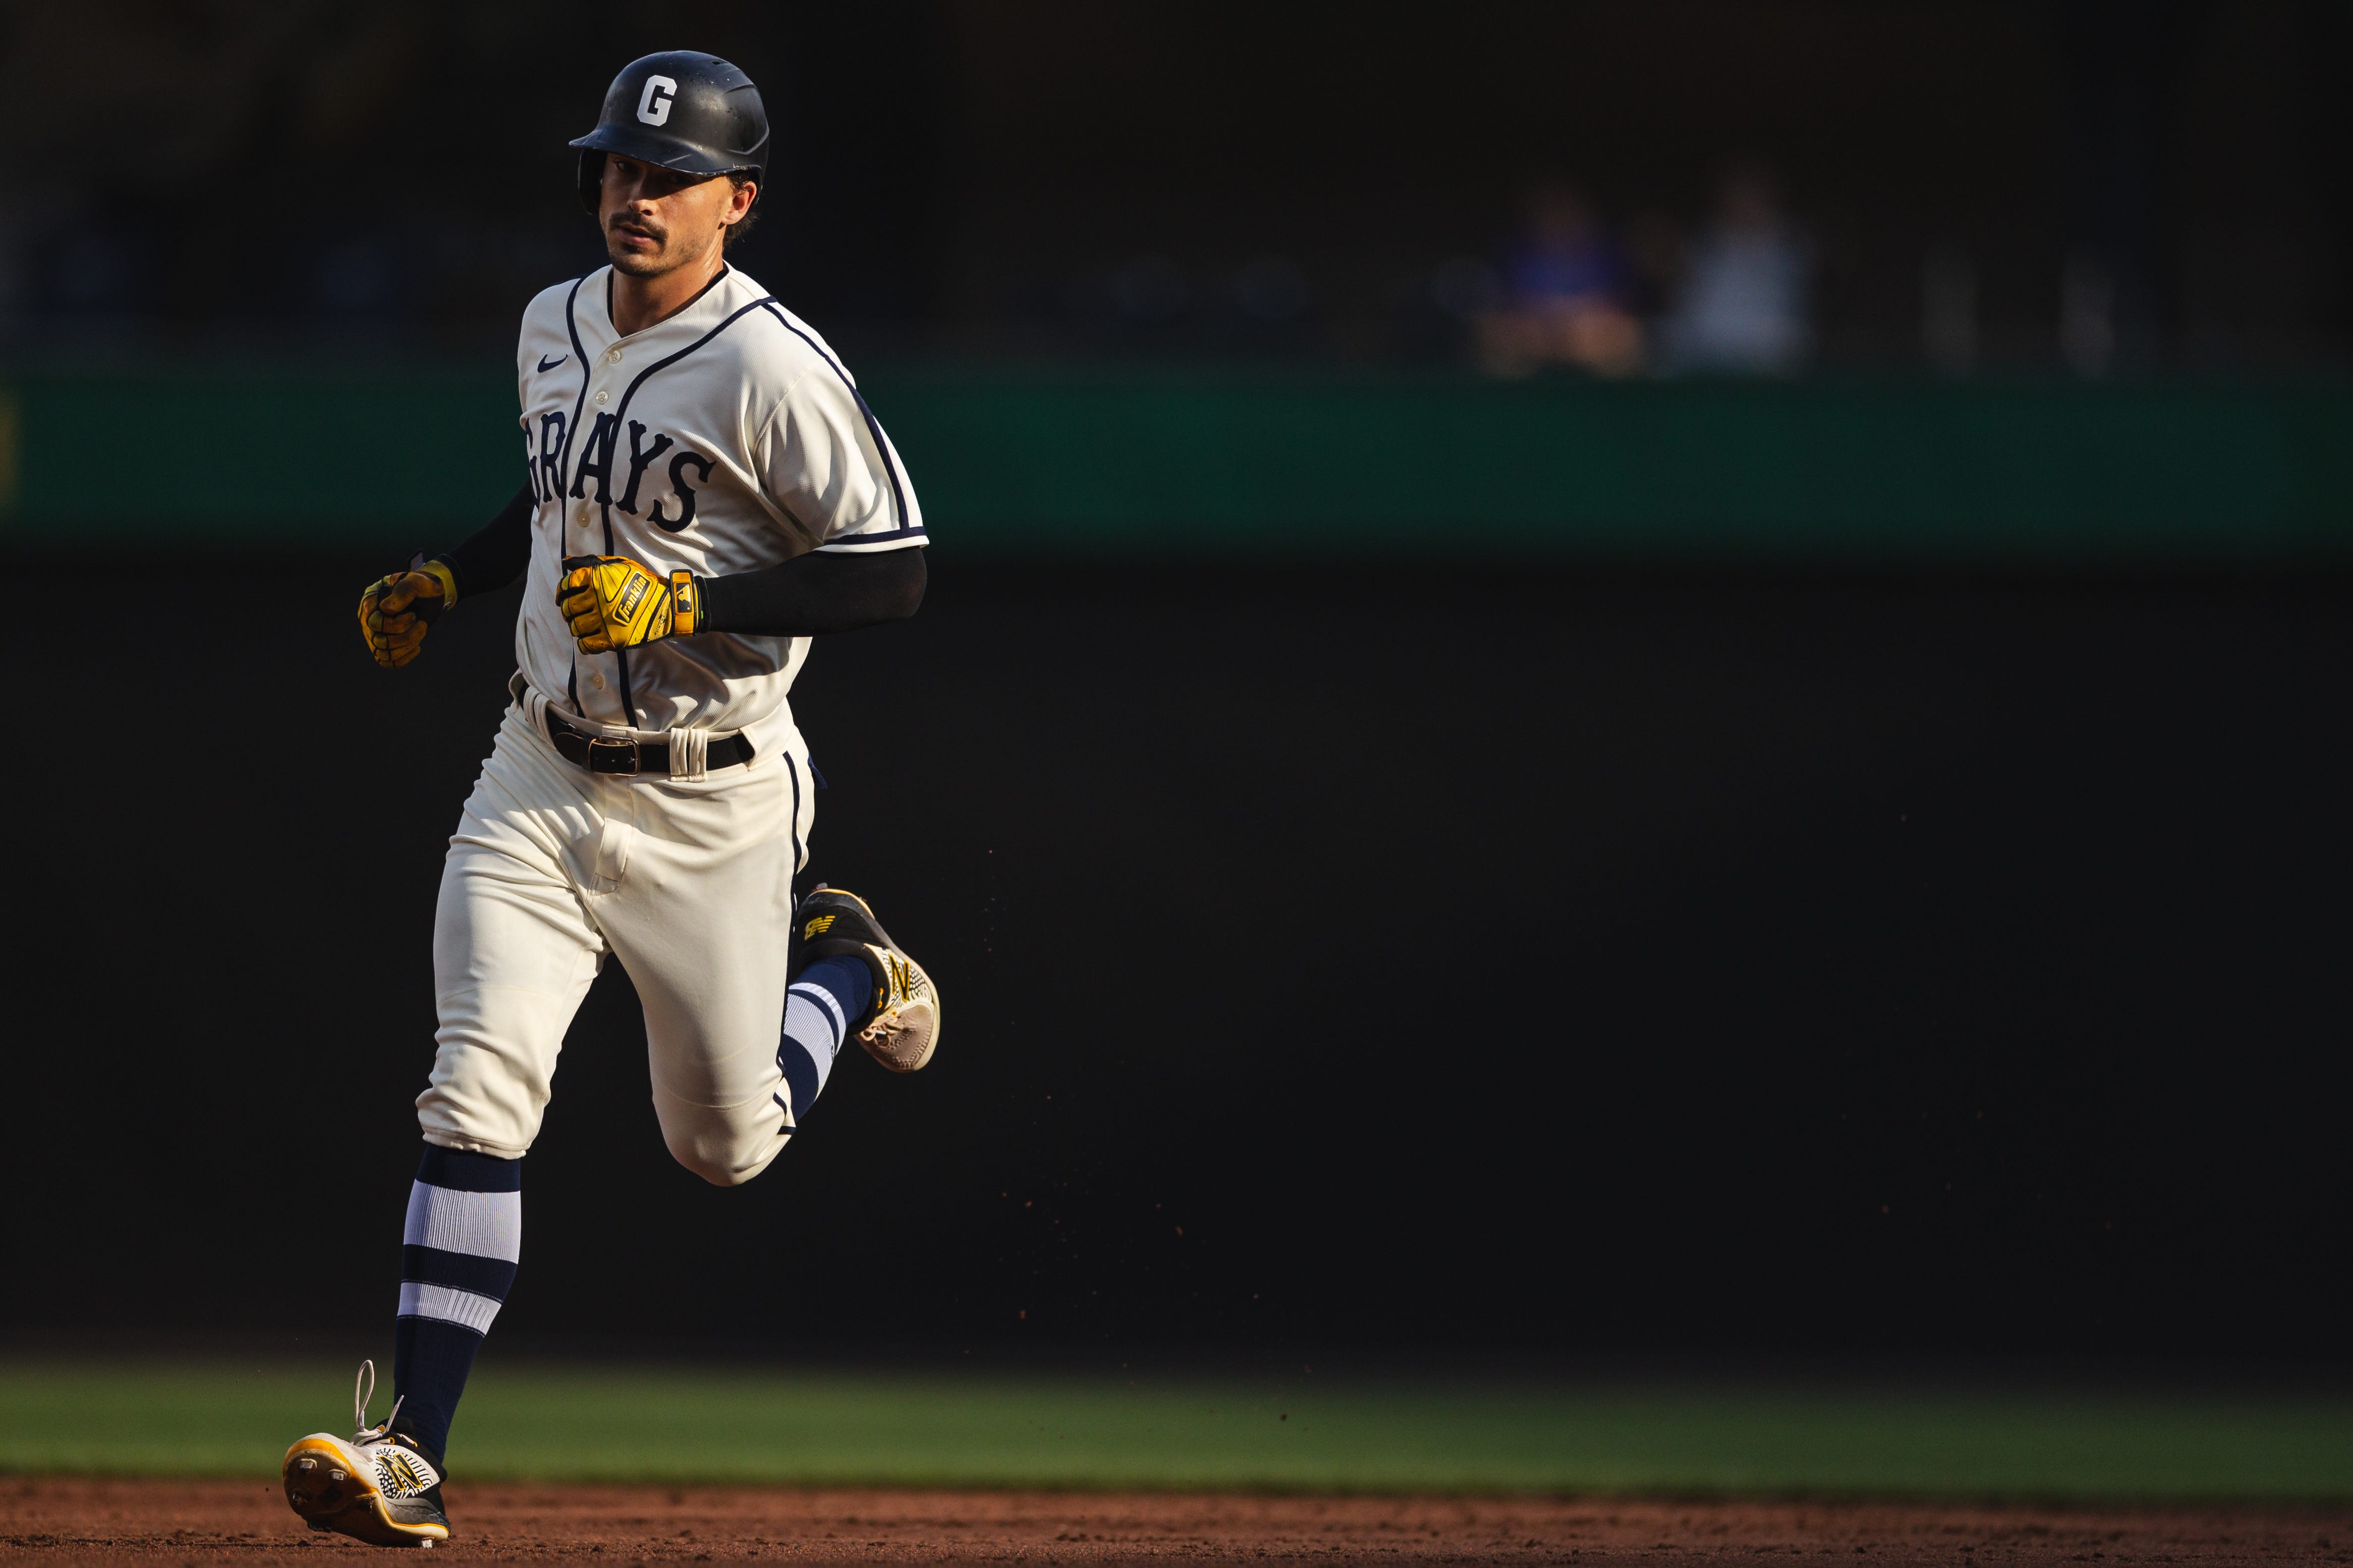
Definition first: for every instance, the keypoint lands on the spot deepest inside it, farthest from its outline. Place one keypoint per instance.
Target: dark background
(1574, 964)
(1512, 960)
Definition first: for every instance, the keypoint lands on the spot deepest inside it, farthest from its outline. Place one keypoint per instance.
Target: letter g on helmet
(653, 104)
(680, 109)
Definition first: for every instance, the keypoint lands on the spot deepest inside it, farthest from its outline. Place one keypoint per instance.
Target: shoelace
(363, 1391)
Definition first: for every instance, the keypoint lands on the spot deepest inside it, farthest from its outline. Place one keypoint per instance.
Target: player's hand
(611, 601)
(395, 609)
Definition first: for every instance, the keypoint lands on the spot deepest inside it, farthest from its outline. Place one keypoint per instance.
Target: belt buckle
(626, 764)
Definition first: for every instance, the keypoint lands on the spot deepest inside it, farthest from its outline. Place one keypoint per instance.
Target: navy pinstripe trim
(793, 828)
(621, 655)
(564, 457)
(914, 533)
(458, 1172)
(492, 1276)
(873, 425)
(662, 365)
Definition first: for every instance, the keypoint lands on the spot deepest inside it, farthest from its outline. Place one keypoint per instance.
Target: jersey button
(583, 514)
(597, 682)
(601, 398)
(613, 356)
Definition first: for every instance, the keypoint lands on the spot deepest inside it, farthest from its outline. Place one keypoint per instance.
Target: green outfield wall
(1134, 463)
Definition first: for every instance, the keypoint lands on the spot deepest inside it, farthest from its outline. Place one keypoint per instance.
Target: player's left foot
(900, 1028)
(381, 1487)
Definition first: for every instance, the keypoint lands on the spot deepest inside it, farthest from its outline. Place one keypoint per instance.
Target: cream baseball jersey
(725, 439)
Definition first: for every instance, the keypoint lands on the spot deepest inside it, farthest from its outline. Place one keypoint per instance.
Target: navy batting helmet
(683, 111)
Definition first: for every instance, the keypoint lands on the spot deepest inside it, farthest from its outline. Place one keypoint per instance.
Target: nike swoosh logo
(548, 364)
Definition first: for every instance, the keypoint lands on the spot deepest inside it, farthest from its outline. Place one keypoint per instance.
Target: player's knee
(489, 1087)
(720, 1171)
(722, 1155)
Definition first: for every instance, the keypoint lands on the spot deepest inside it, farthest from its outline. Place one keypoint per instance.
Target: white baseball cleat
(900, 1026)
(381, 1487)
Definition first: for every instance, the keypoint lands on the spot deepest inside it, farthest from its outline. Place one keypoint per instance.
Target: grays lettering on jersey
(725, 439)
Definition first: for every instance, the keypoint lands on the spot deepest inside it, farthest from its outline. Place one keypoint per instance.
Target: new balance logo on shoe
(399, 1475)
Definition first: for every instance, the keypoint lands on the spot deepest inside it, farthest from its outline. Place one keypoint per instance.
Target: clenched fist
(612, 602)
(395, 609)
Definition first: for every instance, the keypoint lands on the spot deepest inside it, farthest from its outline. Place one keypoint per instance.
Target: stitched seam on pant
(760, 1098)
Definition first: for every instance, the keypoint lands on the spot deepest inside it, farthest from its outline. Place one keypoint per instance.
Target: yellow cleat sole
(332, 1492)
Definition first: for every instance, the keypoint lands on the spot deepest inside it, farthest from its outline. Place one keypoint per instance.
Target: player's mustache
(631, 222)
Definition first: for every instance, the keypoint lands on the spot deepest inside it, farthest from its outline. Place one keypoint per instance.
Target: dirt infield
(57, 1521)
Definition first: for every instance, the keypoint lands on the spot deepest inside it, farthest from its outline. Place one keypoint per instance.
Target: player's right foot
(381, 1487)
(900, 1027)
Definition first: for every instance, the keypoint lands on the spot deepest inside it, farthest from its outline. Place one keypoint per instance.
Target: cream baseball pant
(689, 882)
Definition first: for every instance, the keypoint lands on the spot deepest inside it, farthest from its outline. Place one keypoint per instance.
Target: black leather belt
(600, 755)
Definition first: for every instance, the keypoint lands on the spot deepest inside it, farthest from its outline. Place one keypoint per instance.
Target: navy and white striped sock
(817, 1010)
(458, 1257)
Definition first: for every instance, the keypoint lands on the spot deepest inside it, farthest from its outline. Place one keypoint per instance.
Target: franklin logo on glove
(611, 602)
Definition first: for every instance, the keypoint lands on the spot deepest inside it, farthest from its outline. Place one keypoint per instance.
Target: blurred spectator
(1656, 254)
(1743, 306)
(1566, 299)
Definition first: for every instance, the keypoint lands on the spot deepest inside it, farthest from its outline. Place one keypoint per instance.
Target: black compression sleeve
(816, 594)
(496, 555)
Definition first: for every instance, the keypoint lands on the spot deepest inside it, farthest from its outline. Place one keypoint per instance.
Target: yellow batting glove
(611, 601)
(395, 609)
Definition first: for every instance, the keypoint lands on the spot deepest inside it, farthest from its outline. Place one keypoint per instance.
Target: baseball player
(707, 491)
